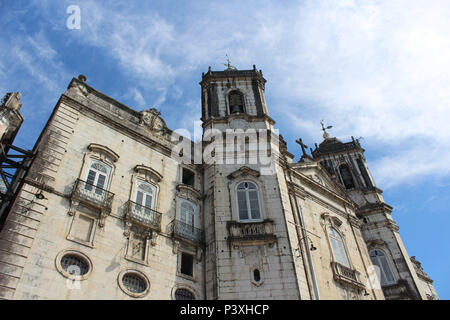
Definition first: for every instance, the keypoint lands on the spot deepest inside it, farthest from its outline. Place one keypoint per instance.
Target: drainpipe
(316, 289)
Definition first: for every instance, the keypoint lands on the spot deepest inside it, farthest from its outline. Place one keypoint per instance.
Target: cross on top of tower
(324, 129)
(302, 145)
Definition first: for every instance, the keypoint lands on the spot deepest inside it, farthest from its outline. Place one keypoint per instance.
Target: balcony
(398, 291)
(184, 231)
(346, 275)
(253, 233)
(143, 216)
(92, 196)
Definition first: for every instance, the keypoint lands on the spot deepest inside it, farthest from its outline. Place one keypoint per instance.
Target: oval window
(134, 283)
(74, 265)
(256, 275)
(183, 294)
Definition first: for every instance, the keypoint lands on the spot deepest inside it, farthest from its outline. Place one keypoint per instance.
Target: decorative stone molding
(375, 243)
(251, 234)
(78, 254)
(184, 287)
(145, 171)
(94, 147)
(152, 120)
(243, 171)
(138, 274)
(333, 221)
(176, 245)
(189, 193)
(346, 275)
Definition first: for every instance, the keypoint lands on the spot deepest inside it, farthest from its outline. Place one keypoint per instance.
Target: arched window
(379, 259)
(97, 176)
(236, 101)
(249, 207)
(145, 194)
(337, 245)
(346, 176)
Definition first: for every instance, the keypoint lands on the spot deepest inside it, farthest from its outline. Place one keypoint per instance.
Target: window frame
(345, 165)
(155, 188)
(344, 247)
(179, 264)
(90, 168)
(139, 274)
(247, 197)
(194, 205)
(382, 271)
(186, 287)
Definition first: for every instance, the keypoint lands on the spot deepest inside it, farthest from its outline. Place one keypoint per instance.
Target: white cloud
(377, 69)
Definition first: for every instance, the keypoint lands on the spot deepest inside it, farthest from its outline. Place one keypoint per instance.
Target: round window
(183, 294)
(74, 265)
(134, 283)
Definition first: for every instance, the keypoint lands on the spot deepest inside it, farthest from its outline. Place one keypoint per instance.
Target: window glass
(183, 294)
(187, 213)
(97, 176)
(379, 259)
(145, 195)
(249, 207)
(337, 245)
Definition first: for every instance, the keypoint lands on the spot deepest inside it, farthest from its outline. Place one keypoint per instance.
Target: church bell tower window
(236, 101)
(346, 176)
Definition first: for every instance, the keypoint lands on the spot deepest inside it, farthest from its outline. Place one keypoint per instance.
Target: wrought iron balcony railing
(188, 232)
(249, 233)
(346, 275)
(92, 195)
(143, 215)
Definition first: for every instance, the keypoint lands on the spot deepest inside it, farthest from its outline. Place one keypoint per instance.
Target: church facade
(115, 205)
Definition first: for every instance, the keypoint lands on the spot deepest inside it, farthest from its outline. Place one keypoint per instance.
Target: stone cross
(302, 145)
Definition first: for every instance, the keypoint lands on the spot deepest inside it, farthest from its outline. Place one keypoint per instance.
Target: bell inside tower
(236, 102)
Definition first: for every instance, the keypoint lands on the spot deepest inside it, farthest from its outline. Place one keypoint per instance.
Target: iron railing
(188, 232)
(93, 195)
(143, 215)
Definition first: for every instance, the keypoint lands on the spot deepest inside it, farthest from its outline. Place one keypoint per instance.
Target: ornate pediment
(375, 243)
(151, 173)
(243, 171)
(152, 120)
(101, 149)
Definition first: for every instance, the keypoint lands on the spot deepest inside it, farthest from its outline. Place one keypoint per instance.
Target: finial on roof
(82, 78)
(325, 133)
(228, 65)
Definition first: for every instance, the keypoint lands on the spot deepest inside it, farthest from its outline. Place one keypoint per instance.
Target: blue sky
(373, 69)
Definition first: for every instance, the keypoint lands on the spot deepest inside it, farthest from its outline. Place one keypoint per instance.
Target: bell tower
(233, 94)
(247, 247)
(346, 164)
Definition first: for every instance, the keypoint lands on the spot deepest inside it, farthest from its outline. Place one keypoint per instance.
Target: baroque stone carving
(152, 120)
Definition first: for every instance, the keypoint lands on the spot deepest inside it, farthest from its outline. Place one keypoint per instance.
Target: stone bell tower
(247, 248)
(346, 164)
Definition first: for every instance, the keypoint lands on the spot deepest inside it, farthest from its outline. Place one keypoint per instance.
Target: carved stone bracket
(176, 245)
(199, 254)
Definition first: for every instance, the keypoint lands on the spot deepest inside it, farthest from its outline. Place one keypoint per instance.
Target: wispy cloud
(369, 68)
